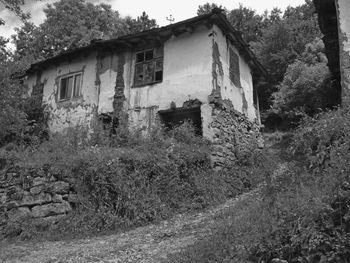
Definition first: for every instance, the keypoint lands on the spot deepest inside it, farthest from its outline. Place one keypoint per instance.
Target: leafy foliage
(306, 88)
(302, 214)
(15, 7)
(242, 19)
(145, 181)
(248, 22)
(207, 8)
(285, 38)
(141, 23)
(68, 25)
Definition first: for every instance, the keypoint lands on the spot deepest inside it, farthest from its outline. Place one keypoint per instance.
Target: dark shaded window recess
(149, 67)
(109, 123)
(174, 117)
(234, 69)
(70, 86)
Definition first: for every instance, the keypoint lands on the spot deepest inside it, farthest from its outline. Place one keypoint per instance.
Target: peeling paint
(234, 93)
(244, 104)
(196, 74)
(216, 66)
(119, 96)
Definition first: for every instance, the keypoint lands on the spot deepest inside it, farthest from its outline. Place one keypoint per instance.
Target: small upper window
(149, 67)
(70, 86)
(234, 69)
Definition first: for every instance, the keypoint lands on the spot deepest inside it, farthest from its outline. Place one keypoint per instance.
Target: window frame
(73, 94)
(144, 64)
(234, 68)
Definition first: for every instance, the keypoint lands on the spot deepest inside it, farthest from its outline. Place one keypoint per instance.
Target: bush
(119, 187)
(302, 214)
(309, 204)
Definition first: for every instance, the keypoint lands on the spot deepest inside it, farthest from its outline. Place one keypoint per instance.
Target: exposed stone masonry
(234, 136)
(35, 195)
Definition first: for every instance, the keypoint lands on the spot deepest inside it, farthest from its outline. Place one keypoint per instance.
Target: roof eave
(162, 33)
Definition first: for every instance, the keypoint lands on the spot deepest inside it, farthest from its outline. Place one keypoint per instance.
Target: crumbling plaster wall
(343, 10)
(241, 97)
(73, 112)
(186, 76)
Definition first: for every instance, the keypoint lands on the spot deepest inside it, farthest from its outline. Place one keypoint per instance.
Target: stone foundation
(234, 137)
(35, 195)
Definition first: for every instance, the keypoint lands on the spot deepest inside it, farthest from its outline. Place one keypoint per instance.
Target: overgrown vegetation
(302, 213)
(142, 180)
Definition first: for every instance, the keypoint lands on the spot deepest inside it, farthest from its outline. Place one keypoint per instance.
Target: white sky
(157, 9)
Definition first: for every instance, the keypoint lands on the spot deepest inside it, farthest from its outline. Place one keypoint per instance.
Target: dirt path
(145, 244)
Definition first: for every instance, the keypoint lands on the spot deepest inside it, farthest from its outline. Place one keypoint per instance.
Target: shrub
(123, 186)
(311, 204)
(302, 214)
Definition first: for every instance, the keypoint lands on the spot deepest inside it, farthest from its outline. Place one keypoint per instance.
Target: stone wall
(33, 195)
(234, 137)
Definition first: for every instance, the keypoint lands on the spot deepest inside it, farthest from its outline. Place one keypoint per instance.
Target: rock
(73, 198)
(56, 198)
(51, 209)
(11, 205)
(18, 213)
(260, 143)
(52, 178)
(60, 187)
(53, 219)
(38, 181)
(37, 189)
(30, 200)
(3, 198)
(277, 260)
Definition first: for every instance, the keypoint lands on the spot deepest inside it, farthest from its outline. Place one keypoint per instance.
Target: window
(173, 118)
(149, 67)
(70, 86)
(234, 69)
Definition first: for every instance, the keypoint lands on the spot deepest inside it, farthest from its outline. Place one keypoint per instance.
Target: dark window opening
(109, 123)
(70, 87)
(149, 55)
(234, 69)
(149, 67)
(159, 76)
(173, 118)
(140, 57)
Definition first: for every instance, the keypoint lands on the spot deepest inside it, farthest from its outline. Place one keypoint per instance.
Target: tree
(207, 8)
(69, 24)
(307, 84)
(12, 118)
(15, 7)
(246, 21)
(141, 23)
(283, 40)
(242, 19)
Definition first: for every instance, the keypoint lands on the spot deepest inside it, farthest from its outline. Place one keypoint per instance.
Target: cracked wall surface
(75, 112)
(241, 97)
(186, 76)
(343, 10)
(196, 67)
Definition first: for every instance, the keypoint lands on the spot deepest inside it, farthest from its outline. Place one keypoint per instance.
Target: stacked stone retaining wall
(34, 195)
(234, 136)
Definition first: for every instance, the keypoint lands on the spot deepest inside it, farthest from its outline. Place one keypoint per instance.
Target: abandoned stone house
(199, 69)
(334, 21)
